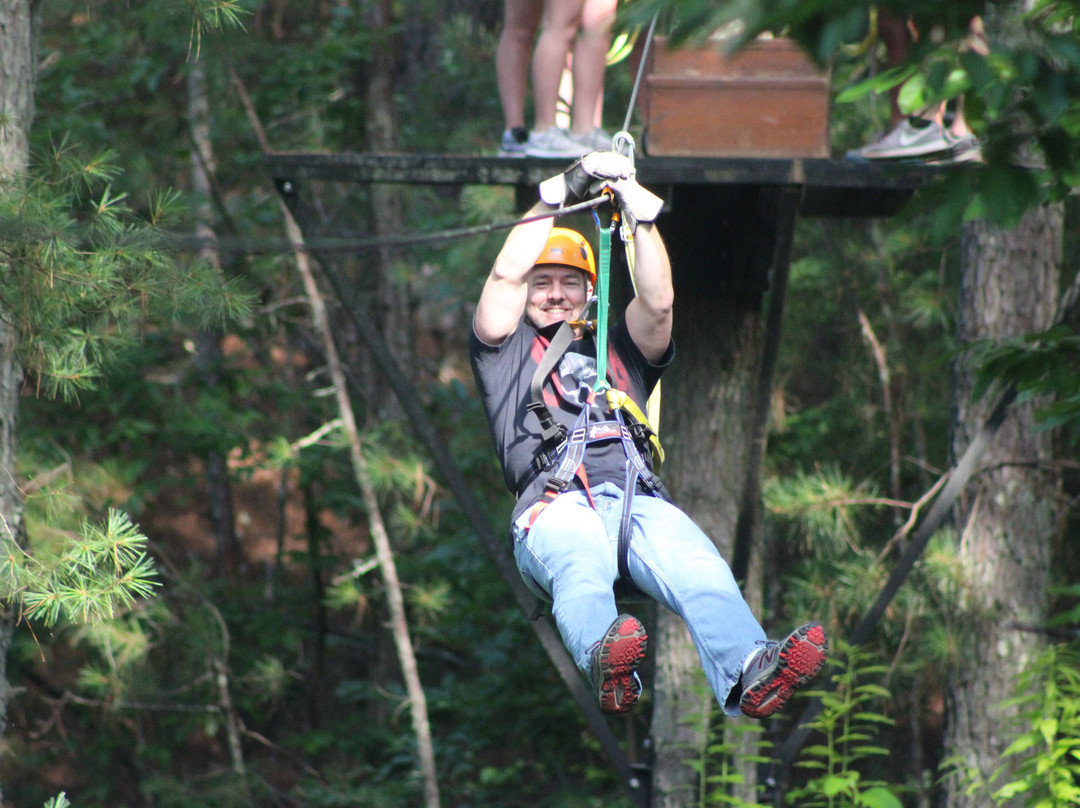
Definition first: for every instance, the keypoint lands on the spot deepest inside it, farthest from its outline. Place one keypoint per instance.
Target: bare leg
(562, 19)
(895, 34)
(590, 51)
(521, 21)
(976, 42)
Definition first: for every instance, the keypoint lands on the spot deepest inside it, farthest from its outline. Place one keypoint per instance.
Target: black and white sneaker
(514, 142)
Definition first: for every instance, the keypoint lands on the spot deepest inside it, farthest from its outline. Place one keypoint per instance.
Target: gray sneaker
(614, 662)
(513, 142)
(772, 672)
(911, 139)
(555, 142)
(965, 149)
(596, 140)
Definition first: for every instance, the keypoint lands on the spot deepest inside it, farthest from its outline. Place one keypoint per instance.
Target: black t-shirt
(503, 377)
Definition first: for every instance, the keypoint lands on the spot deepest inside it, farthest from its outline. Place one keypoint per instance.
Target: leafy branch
(84, 273)
(102, 571)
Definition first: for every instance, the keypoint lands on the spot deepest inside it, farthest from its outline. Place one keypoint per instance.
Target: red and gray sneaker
(614, 663)
(773, 672)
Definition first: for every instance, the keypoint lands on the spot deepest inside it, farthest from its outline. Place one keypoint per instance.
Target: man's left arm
(649, 315)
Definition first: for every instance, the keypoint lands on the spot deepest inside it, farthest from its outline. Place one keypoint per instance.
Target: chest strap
(552, 434)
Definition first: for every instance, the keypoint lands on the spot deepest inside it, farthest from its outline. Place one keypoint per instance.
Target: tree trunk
(208, 357)
(1006, 520)
(380, 536)
(708, 409)
(705, 411)
(19, 22)
(395, 304)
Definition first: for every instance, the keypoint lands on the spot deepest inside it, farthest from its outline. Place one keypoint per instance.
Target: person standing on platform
(574, 31)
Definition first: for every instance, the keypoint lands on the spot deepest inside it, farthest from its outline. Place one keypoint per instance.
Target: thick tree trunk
(19, 20)
(706, 407)
(17, 60)
(708, 403)
(10, 498)
(1007, 520)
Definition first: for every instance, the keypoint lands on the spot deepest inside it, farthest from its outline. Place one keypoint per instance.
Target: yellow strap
(617, 399)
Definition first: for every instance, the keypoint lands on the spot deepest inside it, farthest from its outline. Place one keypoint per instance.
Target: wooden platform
(728, 222)
(830, 187)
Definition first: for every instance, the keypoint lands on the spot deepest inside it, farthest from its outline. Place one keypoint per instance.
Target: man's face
(556, 294)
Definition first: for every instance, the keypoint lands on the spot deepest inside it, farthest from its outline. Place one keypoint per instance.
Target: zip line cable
(640, 72)
(326, 244)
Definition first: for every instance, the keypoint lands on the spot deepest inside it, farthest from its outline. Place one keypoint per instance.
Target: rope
(640, 71)
(335, 245)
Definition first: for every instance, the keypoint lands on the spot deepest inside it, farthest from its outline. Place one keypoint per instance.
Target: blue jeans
(570, 555)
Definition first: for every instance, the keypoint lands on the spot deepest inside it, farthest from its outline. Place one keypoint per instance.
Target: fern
(849, 723)
(1043, 762)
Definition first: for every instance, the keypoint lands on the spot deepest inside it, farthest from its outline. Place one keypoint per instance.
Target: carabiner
(623, 143)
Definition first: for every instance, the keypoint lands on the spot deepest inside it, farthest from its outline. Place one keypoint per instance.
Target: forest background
(260, 671)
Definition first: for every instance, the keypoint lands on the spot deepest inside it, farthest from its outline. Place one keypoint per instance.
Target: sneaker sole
(621, 651)
(802, 656)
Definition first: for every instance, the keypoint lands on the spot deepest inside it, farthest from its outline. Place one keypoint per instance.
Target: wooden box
(767, 100)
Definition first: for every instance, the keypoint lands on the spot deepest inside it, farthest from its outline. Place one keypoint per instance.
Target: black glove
(604, 169)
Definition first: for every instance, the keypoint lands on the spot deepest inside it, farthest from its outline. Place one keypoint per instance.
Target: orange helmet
(568, 248)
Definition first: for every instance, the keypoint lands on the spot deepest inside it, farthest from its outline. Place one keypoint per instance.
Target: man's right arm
(506, 290)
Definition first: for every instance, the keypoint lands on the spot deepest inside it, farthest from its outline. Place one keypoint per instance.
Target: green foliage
(1041, 766)
(84, 274)
(850, 720)
(827, 505)
(719, 766)
(1044, 365)
(1021, 98)
(1049, 747)
(99, 572)
(299, 632)
(215, 15)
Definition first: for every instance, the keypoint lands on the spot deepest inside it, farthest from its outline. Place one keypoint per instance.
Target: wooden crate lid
(777, 57)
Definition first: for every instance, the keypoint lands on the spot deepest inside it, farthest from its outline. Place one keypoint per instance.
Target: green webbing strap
(603, 271)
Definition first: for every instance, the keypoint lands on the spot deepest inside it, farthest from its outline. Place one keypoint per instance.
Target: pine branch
(104, 571)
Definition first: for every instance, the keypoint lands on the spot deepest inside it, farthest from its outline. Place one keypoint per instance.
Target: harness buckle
(556, 484)
(547, 455)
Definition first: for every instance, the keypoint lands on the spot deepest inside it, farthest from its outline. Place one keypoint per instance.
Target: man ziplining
(590, 511)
